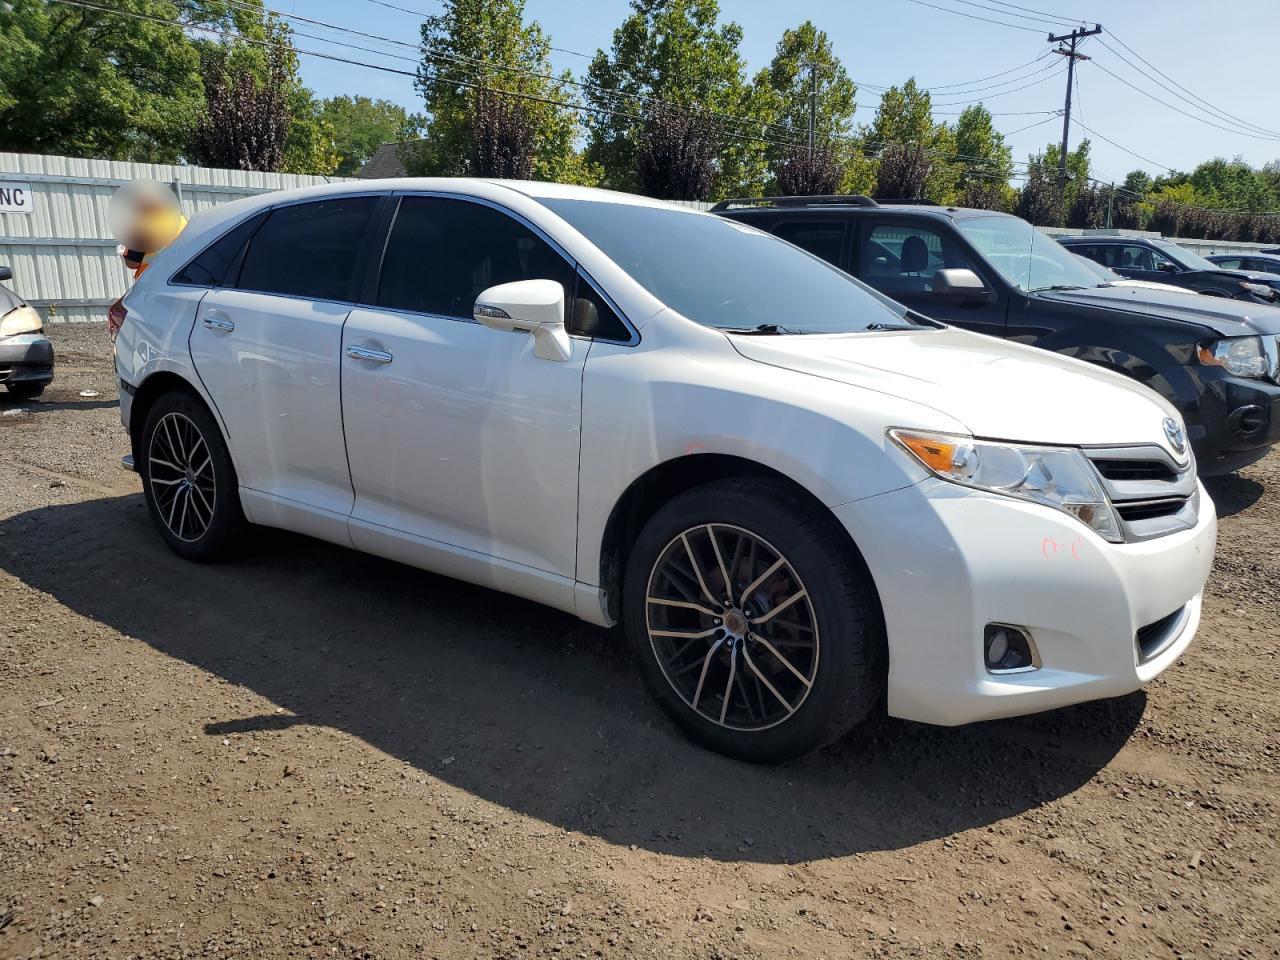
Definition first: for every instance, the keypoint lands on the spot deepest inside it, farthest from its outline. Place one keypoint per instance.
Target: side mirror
(528, 306)
(1167, 268)
(959, 282)
(5, 273)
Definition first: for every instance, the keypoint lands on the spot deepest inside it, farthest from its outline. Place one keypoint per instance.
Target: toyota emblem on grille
(1177, 439)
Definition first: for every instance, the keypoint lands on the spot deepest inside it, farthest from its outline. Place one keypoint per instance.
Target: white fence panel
(63, 256)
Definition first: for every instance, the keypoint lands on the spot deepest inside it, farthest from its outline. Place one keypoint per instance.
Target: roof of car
(852, 203)
(1108, 238)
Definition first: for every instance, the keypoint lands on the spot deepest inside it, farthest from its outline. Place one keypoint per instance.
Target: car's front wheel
(754, 620)
(188, 478)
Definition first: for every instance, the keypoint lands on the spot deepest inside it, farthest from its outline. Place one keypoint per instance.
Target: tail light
(116, 316)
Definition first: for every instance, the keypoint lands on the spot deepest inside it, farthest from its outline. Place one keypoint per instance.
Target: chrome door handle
(364, 353)
(217, 323)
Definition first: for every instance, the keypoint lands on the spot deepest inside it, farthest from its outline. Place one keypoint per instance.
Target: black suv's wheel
(187, 477)
(755, 624)
(26, 390)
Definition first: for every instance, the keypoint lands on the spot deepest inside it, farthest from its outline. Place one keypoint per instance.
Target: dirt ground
(312, 753)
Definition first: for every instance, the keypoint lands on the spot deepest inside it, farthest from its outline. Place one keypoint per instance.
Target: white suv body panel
(473, 458)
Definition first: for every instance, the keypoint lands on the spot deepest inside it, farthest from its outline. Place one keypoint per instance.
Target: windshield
(725, 274)
(1027, 258)
(1183, 256)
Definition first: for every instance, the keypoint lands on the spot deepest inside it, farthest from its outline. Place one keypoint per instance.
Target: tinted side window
(899, 258)
(592, 316)
(822, 238)
(1230, 263)
(308, 249)
(443, 253)
(218, 263)
(1136, 257)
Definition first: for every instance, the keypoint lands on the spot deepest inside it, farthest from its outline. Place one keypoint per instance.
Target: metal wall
(64, 259)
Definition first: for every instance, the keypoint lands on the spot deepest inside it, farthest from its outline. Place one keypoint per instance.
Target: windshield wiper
(762, 330)
(1057, 286)
(892, 326)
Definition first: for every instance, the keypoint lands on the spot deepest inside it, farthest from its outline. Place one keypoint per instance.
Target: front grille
(1152, 493)
(1134, 469)
(1154, 638)
(1150, 509)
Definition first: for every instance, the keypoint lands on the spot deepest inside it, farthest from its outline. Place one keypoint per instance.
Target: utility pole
(1067, 48)
(1111, 202)
(813, 105)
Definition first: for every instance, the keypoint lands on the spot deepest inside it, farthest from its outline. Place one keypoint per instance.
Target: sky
(1226, 60)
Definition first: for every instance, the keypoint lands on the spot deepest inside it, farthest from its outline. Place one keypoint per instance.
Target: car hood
(1228, 318)
(997, 389)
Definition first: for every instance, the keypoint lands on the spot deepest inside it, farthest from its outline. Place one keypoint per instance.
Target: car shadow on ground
(10, 402)
(527, 707)
(1233, 493)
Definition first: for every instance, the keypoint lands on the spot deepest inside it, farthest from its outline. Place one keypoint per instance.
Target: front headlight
(21, 320)
(1258, 289)
(1239, 356)
(1058, 477)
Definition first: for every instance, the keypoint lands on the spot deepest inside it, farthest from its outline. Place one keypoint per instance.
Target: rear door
(267, 345)
(899, 257)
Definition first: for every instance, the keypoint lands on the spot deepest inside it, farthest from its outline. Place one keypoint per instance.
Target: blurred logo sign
(16, 197)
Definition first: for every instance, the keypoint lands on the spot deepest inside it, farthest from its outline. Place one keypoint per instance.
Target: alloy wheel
(732, 626)
(180, 472)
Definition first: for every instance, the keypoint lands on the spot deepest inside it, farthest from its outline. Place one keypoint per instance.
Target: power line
(1154, 163)
(1053, 21)
(1041, 12)
(1216, 112)
(424, 16)
(1029, 126)
(1177, 109)
(1004, 93)
(973, 16)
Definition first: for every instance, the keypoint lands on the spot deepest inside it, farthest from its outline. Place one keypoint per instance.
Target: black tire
(200, 519)
(846, 666)
(26, 390)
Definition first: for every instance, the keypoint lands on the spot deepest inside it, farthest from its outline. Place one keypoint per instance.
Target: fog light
(1008, 649)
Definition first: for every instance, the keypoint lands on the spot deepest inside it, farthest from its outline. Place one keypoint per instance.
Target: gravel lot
(311, 753)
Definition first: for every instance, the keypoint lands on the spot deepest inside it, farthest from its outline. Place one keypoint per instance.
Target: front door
(267, 350)
(1139, 262)
(900, 257)
(458, 434)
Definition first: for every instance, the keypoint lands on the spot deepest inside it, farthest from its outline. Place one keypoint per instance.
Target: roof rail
(906, 201)
(822, 200)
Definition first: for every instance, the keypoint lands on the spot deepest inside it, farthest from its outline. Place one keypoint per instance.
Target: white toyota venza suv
(800, 499)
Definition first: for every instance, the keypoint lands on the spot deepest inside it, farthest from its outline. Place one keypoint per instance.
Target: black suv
(1217, 360)
(1163, 261)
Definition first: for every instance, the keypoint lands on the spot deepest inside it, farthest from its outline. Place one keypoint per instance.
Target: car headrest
(915, 255)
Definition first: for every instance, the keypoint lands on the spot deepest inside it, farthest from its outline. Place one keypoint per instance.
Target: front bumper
(947, 561)
(26, 358)
(1236, 422)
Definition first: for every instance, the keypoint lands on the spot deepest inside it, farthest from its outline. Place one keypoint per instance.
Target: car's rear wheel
(188, 478)
(754, 620)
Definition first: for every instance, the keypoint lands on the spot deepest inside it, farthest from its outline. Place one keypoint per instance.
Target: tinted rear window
(308, 249)
(219, 261)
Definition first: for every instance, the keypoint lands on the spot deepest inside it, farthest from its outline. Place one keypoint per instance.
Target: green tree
(803, 56)
(259, 50)
(982, 157)
(485, 44)
(905, 118)
(1047, 163)
(679, 52)
(361, 125)
(91, 83)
